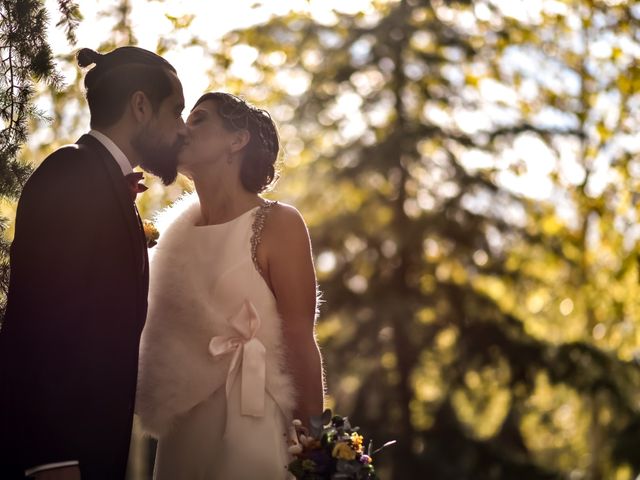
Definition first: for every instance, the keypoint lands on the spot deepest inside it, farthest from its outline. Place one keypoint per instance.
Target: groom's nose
(183, 132)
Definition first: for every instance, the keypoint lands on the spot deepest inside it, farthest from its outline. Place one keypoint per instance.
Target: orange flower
(357, 441)
(151, 233)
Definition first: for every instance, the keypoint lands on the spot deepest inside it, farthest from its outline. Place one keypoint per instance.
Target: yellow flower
(357, 441)
(151, 233)
(343, 451)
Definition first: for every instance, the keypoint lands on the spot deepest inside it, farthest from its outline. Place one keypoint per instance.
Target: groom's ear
(140, 106)
(240, 140)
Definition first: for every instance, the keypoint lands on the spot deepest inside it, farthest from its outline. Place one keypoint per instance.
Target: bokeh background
(469, 172)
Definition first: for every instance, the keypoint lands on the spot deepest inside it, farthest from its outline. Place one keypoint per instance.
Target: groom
(79, 277)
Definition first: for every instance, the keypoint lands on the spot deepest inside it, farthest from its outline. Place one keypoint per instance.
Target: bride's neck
(222, 199)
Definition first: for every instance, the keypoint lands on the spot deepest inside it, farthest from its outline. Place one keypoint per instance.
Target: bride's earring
(228, 156)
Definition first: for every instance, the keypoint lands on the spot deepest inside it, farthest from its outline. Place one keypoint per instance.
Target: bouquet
(331, 450)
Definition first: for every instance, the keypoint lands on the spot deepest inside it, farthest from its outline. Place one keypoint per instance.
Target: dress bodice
(225, 272)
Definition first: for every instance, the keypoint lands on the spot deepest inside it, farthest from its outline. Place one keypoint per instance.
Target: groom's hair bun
(258, 170)
(116, 75)
(87, 57)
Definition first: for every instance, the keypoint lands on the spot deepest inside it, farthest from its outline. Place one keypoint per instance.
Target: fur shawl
(177, 371)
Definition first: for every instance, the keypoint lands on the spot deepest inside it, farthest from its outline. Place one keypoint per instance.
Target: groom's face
(160, 140)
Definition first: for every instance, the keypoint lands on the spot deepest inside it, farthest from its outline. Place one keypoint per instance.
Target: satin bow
(249, 352)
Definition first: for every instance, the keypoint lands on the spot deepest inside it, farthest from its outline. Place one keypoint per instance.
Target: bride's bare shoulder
(284, 226)
(284, 214)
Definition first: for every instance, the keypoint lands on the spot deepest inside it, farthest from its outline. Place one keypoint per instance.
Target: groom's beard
(158, 158)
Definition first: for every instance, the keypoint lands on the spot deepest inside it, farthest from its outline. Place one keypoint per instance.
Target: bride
(228, 355)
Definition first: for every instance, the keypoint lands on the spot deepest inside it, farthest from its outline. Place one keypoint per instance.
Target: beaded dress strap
(258, 224)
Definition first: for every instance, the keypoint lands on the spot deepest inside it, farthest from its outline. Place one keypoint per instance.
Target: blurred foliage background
(469, 172)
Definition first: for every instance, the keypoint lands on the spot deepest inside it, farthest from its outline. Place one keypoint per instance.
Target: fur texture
(186, 310)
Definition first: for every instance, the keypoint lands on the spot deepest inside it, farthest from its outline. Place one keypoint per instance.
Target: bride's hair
(258, 170)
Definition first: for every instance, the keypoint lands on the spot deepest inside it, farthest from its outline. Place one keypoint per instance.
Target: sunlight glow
(150, 24)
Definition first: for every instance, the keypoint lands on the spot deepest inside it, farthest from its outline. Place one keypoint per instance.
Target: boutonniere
(151, 233)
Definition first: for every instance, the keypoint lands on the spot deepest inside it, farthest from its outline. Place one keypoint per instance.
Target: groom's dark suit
(76, 307)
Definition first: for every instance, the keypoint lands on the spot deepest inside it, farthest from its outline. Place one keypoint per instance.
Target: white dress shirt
(126, 168)
(114, 150)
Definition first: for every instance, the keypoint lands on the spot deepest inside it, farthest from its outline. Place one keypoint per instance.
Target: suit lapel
(123, 195)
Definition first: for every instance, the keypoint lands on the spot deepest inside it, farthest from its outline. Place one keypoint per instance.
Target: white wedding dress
(212, 384)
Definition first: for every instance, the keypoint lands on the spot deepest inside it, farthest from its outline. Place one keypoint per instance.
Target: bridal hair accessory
(332, 449)
(151, 233)
(240, 114)
(258, 167)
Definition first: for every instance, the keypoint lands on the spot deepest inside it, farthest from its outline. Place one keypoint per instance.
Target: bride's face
(208, 141)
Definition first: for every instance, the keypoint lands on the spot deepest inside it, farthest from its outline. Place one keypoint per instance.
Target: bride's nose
(188, 132)
(189, 129)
